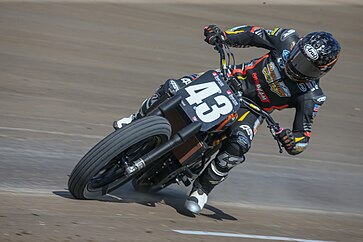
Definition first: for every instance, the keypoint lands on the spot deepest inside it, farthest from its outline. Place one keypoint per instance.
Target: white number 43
(200, 92)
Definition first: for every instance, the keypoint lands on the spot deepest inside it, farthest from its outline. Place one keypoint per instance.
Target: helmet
(312, 57)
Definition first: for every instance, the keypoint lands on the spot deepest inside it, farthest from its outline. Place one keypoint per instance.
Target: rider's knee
(239, 143)
(233, 150)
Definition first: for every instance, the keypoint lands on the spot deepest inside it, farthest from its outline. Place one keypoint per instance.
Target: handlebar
(226, 68)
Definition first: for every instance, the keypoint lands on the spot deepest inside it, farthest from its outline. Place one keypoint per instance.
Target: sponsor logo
(285, 54)
(302, 87)
(321, 99)
(234, 101)
(261, 94)
(174, 85)
(287, 33)
(216, 77)
(311, 52)
(232, 98)
(272, 76)
(186, 81)
(248, 130)
(316, 107)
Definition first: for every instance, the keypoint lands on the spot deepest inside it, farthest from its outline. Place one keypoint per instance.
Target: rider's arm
(246, 36)
(307, 106)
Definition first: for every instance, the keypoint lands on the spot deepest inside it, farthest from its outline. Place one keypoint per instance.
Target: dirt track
(67, 70)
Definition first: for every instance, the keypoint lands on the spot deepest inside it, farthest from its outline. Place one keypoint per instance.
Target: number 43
(203, 91)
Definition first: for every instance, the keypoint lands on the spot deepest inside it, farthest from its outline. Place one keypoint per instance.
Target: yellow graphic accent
(234, 32)
(243, 116)
(255, 107)
(274, 31)
(299, 139)
(242, 77)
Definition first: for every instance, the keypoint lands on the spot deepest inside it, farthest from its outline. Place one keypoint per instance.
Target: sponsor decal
(321, 99)
(186, 81)
(216, 77)
(311, 52)
(272, 76)
(281, 62)
(302, 87)
(261, 94)
(242, 138)
(285, 54)
(316, 107)
(174, 85)
(286, 34)
(232, 98)
(248, 130)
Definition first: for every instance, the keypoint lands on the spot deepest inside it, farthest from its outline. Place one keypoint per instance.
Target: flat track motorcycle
(173, 143)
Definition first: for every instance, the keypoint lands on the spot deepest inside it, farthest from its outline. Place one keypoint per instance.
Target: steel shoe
(196, 200)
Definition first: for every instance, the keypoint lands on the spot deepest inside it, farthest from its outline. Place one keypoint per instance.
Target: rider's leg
(230, 155)
(170, 86)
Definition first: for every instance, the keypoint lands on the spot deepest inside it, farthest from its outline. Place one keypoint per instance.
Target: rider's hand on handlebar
(213, 35)
(286, 138)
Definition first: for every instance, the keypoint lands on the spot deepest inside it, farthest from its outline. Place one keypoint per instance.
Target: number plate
(209, 100)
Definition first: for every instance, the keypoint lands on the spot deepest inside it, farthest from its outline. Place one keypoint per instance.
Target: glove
(286, 138)
(212, 33)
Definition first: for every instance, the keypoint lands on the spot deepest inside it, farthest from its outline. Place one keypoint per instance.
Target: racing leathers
(266, 83)
(263, 81)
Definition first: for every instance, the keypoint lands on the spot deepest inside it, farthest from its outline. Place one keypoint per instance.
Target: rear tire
(101, 170)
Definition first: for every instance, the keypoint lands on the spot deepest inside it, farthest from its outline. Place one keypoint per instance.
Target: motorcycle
(173, 142)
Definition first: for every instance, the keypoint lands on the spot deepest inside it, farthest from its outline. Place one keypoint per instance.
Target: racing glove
(286, 138)
(212, 33)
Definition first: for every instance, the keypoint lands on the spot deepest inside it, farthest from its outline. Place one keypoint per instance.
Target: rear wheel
(101, 170)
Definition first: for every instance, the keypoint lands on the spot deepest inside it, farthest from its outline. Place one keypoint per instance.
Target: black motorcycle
(173, 143)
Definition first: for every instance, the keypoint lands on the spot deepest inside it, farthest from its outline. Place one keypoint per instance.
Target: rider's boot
(214, 174)
(197, 199)
(118, 124)
(202, 186)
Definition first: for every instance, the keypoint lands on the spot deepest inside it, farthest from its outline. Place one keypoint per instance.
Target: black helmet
(312, 57)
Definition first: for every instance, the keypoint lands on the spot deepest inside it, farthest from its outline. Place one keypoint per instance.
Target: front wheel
(101, 170)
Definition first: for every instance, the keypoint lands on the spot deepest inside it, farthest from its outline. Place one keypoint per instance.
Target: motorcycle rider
(286, 77)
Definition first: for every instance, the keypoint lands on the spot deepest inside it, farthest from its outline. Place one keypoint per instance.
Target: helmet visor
(301, 68)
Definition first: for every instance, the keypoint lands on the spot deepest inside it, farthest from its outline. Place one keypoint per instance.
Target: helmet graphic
(312, 57)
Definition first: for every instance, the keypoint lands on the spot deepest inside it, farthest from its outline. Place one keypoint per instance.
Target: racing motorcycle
(173, 142)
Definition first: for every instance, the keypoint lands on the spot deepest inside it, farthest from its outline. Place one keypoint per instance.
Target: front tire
(101, 170)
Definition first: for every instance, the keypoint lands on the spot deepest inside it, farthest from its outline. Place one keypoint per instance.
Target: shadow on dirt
(172, 197)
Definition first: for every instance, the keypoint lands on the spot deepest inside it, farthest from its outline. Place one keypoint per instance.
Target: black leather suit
(264, 82)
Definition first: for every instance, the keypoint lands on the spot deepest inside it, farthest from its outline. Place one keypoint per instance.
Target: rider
(286, 77)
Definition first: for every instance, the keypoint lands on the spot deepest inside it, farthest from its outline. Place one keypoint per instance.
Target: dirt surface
(67, 70)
